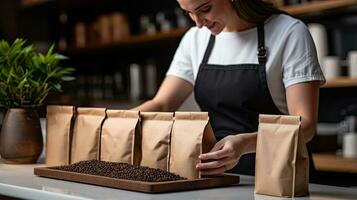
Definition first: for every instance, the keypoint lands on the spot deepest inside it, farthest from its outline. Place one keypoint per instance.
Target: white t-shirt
(291, 54)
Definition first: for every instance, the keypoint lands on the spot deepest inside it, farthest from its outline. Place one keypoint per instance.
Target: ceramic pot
(21, 137)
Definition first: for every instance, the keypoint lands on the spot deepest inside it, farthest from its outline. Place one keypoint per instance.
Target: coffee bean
(120, 171)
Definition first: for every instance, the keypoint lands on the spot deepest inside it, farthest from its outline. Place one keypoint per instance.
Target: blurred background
(122, 49)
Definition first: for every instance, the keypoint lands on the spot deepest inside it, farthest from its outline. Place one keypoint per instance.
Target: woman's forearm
(172, 93)
(249, 142)
(308, 128)
(150, 106)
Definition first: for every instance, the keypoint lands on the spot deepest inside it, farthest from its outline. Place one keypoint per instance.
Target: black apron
(234, 96)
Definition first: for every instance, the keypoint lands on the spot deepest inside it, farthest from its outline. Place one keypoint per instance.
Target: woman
(243, 58)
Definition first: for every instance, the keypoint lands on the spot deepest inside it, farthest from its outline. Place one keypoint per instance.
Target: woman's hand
(226, 153)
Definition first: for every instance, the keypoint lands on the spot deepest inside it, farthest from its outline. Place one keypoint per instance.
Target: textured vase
(21, 137)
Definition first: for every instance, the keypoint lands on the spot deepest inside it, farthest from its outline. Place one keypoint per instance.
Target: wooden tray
(140, 186)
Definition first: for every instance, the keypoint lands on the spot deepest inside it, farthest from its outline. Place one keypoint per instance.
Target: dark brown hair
(255, 11)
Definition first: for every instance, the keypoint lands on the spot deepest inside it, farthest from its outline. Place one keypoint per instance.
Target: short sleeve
(181, 65)
(300, 63)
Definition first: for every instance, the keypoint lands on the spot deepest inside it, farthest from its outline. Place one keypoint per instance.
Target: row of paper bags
(173, 142)
(163, 140)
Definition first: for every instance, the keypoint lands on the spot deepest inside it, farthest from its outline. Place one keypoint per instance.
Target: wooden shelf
(334, 163)
(341, 82)
(131, 42)
(312, 8)
(34, 4)
(316, 8)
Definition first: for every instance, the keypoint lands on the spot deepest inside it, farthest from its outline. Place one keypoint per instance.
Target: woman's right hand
(226, 153)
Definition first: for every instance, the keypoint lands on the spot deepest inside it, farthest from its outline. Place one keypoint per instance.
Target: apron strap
(262, 58)
(261, 52)
(208, 49)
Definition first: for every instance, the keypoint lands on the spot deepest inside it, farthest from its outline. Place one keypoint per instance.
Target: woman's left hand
(223, 156)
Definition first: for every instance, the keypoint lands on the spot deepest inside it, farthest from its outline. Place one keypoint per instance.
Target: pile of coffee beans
(120, 171)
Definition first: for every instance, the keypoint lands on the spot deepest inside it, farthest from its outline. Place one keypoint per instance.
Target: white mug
(331, 67)
(319, 35)
(352, 64)
(349, 145)
(135, 82)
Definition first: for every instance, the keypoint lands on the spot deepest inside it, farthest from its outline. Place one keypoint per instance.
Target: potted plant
(26, 78)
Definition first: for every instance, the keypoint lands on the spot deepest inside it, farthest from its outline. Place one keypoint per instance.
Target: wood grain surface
(139, 186)
(334, 163)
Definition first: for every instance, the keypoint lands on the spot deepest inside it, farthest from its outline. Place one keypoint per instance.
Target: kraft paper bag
(282, 164)
(86, 134)
(191, 136)
(155, 132)
(120, 131)
(59, 124)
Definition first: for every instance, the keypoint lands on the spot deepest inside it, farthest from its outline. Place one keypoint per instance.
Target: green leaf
(58, 87)
(50, 50)
(22, 83)
(61, 57)
(34, 83)
(68, 78)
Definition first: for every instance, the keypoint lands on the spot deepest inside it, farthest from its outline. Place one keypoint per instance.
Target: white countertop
(19, 181)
